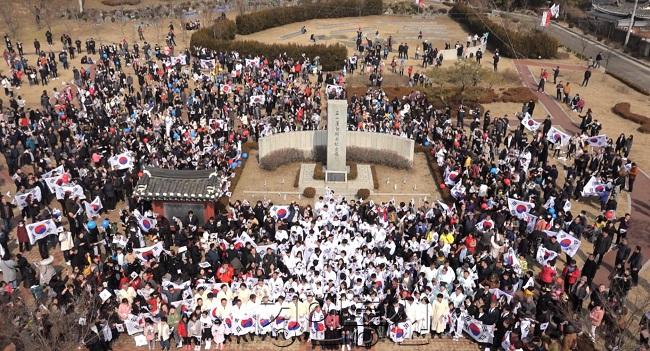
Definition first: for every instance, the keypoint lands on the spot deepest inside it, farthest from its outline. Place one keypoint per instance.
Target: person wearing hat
(570, 338)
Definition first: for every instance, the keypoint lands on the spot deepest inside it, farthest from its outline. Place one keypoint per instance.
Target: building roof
(178, 185)
(622, 8)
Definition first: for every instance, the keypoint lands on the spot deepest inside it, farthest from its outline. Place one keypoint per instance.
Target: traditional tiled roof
(622, 8)
(177, 185)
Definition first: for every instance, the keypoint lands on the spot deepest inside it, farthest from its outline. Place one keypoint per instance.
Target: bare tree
(32, 326)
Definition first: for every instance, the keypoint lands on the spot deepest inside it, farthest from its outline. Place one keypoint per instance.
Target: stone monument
(337, 128)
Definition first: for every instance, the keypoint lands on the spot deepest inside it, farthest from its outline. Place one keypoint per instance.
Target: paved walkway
(639, 233)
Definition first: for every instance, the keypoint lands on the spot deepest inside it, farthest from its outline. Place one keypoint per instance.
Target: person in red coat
(470, 242)
(182, 331)
(571, 274)
(23, 238)
(548, 273)
(225, 273)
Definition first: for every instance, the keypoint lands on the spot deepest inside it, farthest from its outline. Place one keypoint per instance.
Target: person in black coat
(492, 313)
(190, 219)
(636, 262)
(622, 253)
(602, 245)
(396, 313)
(590, 268)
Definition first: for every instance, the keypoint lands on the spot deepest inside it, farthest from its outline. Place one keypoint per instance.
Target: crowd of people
(339, 274)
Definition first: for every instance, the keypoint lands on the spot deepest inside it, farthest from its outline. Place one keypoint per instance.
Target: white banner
(207, 64)
(21, 199)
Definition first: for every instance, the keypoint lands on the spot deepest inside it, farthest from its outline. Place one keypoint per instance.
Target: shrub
(331, 56)
(354, 172)
(355, 155)
(380, 157)
(518, 95)
(279, 16)
(223, 29)
(363, 194)
(309, 192)
(281, 157)
(120, 2)
(319, 172)
(622, 109)
(511, 43)
(375, 179)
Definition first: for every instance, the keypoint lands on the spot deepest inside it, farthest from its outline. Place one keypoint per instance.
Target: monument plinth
(337, 127)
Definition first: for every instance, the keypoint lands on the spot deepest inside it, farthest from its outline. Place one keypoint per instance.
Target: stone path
(639, 233)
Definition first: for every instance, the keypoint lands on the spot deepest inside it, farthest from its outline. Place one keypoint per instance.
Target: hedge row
(511, 43)
(622, 109)
(275, 17)
(388, 158)
(223, 29)
(331, 56)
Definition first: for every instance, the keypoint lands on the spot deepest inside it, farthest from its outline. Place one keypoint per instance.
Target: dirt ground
(278, 186)
(437, 30)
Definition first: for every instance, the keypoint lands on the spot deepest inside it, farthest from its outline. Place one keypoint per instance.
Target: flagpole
(629, 29)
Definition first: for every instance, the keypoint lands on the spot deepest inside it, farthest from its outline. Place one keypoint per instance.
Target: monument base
(345, 186)
(336, 176)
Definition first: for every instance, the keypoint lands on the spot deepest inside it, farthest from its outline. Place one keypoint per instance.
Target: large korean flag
(279, 212)
(39, 230)
(518, 208)
(568, 243)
